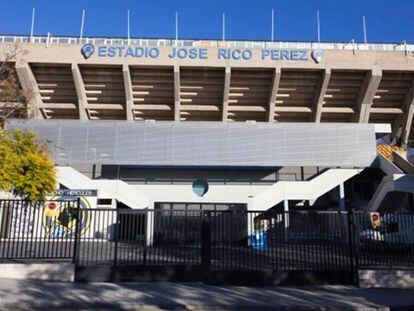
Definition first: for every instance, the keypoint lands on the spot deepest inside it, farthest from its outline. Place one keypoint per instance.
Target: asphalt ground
(40, 295)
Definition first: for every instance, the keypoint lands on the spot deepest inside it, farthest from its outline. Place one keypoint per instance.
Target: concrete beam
(402, 125)
(226, 91)
(293, 109)
(367, 93)
(383, 110)
(320, 95)
(128, 93)
(273, 94)
(338, 110)
(31, 88)
(177, 96)
(80, 91)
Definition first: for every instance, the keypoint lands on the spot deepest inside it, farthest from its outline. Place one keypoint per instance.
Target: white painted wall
(215, 194)
(257, 197)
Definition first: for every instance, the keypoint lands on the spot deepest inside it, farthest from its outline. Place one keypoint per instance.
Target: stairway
(107, 189)
(302, 190)
(395, 182)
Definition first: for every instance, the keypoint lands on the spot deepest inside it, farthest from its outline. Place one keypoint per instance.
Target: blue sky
(341, 20)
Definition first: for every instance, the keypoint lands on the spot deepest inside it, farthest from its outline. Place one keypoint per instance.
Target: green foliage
(26, 167)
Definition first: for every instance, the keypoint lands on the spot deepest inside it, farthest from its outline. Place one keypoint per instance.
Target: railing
(388, 242)
(354, 46)
(203, 242)
(386, 149)
(270, 180)
(28, 233)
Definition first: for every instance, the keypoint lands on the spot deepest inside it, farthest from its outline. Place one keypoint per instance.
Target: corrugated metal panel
(207, 143)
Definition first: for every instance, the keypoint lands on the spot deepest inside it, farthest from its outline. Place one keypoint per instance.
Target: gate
(141, 245)
(280, 248)
(213, 246)
(216, 247)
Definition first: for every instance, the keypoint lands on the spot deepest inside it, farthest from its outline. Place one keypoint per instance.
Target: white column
(250, 226)
(286, 218)
(342, 206)
(149, 234)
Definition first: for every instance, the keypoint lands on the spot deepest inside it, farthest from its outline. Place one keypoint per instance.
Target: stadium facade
(210, 124)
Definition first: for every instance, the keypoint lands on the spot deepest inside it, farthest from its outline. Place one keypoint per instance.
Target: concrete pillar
(29, 85)
(177, 92)
(128, 93)
(320, 95)
(367, 93)
(273, 94)
(149, 230)
(226, 91)
(286, 218)
(342, 206)
(80, 92)
(402, 125)
(250, 225)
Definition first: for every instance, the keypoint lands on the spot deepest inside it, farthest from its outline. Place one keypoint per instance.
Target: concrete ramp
(114, 189)
(302, 190)
(395, 182)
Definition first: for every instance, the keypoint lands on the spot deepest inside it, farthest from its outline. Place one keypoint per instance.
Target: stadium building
(201, 124)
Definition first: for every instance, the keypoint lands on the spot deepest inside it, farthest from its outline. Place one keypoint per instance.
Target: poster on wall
(59, 212)
(22, 220)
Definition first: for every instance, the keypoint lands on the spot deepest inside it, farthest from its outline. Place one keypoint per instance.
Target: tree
(26, 167)
(13, 99)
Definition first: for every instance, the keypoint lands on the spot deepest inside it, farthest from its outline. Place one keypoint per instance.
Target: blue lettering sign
(102, 51)
(200, 53)
(223, 54)
(203, 53)
(129, 52)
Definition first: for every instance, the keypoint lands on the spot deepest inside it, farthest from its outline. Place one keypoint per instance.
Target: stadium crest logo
(318, 55)
(59, 217)
(87, 50)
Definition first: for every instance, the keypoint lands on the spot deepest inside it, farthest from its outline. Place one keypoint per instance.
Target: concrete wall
(386, 278)
(345, 86)
(61, 272)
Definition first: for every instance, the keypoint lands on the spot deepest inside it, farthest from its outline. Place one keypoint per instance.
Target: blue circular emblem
(87, 50)
(318, 55)
(200, 187)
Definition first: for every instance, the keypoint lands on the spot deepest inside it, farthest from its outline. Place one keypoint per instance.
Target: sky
(295, 20)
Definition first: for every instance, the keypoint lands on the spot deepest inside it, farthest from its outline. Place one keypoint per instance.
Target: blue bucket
(258, 240)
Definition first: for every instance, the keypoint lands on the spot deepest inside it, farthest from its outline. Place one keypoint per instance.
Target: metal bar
(206, 244)
(77, 233)
(116, 239)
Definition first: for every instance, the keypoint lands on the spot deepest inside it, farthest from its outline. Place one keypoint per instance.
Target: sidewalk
(24, 295)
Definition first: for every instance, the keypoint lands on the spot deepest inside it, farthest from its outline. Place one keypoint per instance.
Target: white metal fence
(352, 45)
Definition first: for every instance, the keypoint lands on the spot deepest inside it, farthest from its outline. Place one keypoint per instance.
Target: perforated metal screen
(207, 143)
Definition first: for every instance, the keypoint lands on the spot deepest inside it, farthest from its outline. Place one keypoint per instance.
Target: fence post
(206, 244)
(77, 233)
(116, 245)
(146, 219)
(353, 246)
